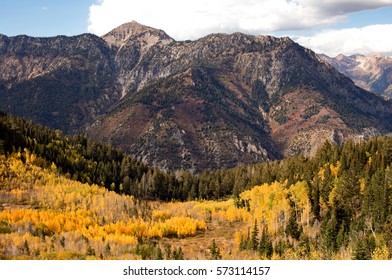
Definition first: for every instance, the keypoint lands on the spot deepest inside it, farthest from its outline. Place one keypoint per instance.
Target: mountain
(233, 99)
(373, 73)
(62, 82)
(219, 101)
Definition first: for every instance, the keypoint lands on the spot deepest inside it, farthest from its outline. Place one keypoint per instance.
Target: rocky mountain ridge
(219, 101)
(372, 73)
(63, 82)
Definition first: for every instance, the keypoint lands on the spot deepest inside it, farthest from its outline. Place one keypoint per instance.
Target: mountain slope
(62, 82)
(373, 73)
(233, 99)
(219, 101)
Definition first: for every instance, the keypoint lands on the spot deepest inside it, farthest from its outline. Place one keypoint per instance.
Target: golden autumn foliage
(223, 210)
(269, 204)
(49, 216)
(44, 215)
(335, 169)
(299, 195)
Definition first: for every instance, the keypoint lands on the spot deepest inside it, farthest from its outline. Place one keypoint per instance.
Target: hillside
(46, 216)
(336, 205)
(62, 82)
(220, 101)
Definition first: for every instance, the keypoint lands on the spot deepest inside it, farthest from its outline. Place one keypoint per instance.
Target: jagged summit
(126, 31)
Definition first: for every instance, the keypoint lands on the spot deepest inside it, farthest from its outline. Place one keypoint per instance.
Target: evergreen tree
(90, 251)
(107, 249)
(254, 241)
(178, 254)
(265, 247)
(304, 247)
(329, 232)
(158, 253)
(292, 228)
(215, 251)
(364, 248)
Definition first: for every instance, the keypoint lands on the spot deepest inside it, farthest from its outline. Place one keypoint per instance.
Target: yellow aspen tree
(335, 169)
(299, 194)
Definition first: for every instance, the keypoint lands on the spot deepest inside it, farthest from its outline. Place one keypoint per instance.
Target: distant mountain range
(219, 101)
(373, 73)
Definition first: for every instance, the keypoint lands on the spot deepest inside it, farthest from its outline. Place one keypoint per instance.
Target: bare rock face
(372, 73)
(219, 101)
(130, 43)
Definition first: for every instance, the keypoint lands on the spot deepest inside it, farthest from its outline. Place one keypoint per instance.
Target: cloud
(332, 7)
(183, 19)
(366, 40)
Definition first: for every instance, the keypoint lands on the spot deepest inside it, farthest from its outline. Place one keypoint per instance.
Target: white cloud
(184, 19)
(366, 40)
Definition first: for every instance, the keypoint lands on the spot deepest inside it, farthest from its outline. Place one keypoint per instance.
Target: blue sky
(364, 18)
(328, 26)
(44, 18)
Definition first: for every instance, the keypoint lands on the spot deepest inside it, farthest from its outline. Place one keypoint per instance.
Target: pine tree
(215, 251)
(168, 252)
(243, 243)
(90, 251)
(292, 228)
(158, 253)
(178, 254)
(329, 232)
(280, 248)
(265, 247)
(107, 249)
(364, 248)
(254, 241)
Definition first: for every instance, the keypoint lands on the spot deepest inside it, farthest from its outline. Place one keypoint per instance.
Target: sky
(325, 26)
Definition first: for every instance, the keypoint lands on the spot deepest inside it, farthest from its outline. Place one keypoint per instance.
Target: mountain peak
(126, 31)
(130, 28)
(370, 72)
(341, 57)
